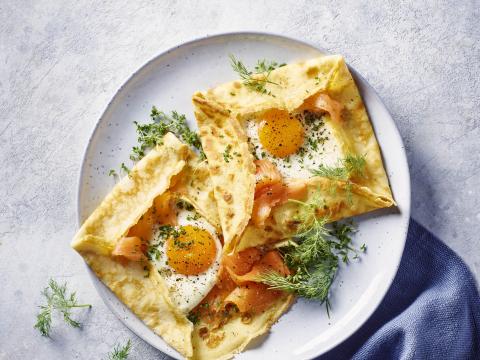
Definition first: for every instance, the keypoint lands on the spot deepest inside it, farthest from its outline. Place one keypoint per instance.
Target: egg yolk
(192, 252)
(280, 133)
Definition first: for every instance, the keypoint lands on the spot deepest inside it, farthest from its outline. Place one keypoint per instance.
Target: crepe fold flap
(146, 296)
(231, 166)
(236, 334)
(339, 200)
(221, 113)
(194, 185)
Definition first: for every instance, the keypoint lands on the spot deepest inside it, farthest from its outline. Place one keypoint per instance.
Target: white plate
(168, 81)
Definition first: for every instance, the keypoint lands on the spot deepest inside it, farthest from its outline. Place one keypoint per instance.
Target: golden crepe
(170, 168)
(322, 84)
(147, 297)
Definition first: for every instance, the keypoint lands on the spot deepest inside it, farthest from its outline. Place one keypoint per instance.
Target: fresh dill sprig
(263, 66)
(57, 299)
(258, 79)
(314, 257)
(120, 352)
(351, 165)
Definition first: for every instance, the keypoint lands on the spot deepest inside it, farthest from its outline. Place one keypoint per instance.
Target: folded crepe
(169, 168)
(321, 84)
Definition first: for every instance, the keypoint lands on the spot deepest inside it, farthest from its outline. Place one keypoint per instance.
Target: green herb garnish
(120, 352)
(151, 134)
(57, 299)
(351, 165)
(125, 168)
(258, 79)
(314, 255)
(227, 156)
(182, 245)
(193, 317)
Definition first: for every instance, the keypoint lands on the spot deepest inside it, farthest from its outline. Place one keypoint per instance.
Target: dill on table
(120, 352)
(313, 255)
(258, 79)
(57, 300)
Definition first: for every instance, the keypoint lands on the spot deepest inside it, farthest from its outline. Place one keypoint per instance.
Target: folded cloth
(432, 310)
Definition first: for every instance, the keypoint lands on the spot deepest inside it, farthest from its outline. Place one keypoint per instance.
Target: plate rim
(407, 211)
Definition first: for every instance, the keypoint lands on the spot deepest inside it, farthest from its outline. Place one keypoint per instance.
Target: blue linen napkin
(432, 310)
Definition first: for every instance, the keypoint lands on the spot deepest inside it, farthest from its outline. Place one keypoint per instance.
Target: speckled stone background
(61, 62)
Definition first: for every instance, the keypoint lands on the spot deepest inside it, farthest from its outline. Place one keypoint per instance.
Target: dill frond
(257, 80)
(57, 299)
(120, 352)
(351, 165)
(315, 257)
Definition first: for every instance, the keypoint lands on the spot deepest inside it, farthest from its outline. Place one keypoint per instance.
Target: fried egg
(187, 256)
(295, 143)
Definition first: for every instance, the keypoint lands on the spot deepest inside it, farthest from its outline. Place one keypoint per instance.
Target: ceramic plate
(168, 81)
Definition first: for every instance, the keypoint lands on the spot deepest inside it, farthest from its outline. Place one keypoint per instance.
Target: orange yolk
(193, 252)
(280, 133)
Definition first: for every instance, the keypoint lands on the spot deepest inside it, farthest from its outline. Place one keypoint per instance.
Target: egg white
(298, 166)
(186, 291)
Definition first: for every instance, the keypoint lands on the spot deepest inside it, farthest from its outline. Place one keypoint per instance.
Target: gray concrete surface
(61, 62)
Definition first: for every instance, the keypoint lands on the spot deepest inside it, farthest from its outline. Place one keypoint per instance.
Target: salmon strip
(271, 261)
(326, 103)
(266, 173)
(252, 297)
(271, 191)
(131, 248)
(242, 262)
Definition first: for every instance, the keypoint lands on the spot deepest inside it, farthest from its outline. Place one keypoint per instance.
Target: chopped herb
(57, 299)
(167, 231)
(182, 204)
(120, 352)
(363, 248)
(226, 154)
(112, 172)
(147, 272)
(183, 245)
(257, 80)
(153, 253)
(193, 317)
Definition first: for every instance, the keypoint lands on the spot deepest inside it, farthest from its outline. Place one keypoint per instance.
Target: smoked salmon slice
(271, 261)
(271, 191)
(252, 297)
(326, 103)
(130, 247)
